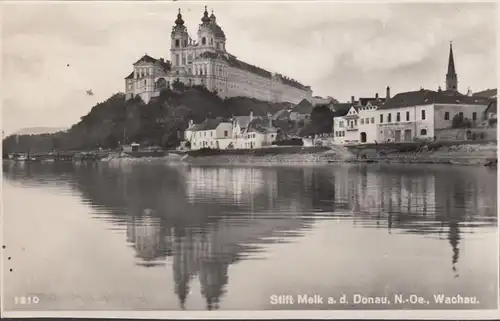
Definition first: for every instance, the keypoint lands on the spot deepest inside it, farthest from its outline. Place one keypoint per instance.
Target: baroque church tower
(451, 75)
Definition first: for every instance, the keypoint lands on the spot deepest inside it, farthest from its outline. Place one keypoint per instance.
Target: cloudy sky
(340, 49)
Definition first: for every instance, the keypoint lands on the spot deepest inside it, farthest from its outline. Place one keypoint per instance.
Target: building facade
(206, 62)
(409, 116)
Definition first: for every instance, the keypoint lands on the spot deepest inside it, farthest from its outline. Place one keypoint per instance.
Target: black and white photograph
(249, 159)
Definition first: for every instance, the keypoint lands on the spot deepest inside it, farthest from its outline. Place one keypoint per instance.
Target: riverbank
(463, 154)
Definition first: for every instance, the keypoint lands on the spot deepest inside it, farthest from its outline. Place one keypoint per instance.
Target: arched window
(203, 41)
(423, 132)
(177, 43)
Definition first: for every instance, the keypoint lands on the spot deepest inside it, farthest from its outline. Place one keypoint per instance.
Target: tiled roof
(165, 64)
(242, 121)
(208, 124)
(146, 58)
(426, 97)
(304, 107)
(131, 76)
(341, 109)
(236, 63)
(262, 125)
(374, 101)
(486, 93)
(492, 107)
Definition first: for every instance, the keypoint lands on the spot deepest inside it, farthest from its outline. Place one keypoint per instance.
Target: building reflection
(202, 220)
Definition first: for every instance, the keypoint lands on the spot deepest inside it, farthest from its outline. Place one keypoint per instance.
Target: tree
(179, 86)
(322, 120)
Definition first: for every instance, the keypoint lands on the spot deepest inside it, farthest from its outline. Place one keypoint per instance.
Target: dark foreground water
(137, 237)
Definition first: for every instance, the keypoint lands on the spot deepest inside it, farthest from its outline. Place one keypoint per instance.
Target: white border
(277, 314)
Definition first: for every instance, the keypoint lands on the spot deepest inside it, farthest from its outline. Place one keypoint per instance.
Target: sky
(339, 49)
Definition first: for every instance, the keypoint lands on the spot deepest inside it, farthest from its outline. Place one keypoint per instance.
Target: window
(217, 45)
(373, 120)
(225, 133)
(355, 122)
(389, 118)
(362, 121)
(381, 118)
(461, 116)
(474, 116)
(446, 115)
(185, 43)
(398, 116)
(407, 116)
(423, 115)
(423, 132)
(203, 41)
(177, 43)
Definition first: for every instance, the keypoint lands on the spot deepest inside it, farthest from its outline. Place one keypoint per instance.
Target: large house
(408, 116)
(212, 133)
(206, 62)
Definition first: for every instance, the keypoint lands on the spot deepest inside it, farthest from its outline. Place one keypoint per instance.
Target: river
(99, 236)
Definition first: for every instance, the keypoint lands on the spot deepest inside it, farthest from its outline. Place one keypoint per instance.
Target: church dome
(205, 18)
(179, 21)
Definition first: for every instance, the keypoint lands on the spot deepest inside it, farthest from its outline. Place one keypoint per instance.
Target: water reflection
(201, 220)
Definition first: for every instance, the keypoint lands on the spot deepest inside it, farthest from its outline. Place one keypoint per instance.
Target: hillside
(160, 122)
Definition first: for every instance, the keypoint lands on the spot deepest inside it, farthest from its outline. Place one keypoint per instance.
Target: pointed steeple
(451, 75)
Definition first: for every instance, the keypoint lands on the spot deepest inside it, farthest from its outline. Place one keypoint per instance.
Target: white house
(421, 114)
(259, 133)
(355, 122)
(212, 133)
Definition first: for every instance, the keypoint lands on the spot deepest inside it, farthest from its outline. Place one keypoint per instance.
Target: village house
(241, 132)
(260, 132)
(212, 133)
(355, 122)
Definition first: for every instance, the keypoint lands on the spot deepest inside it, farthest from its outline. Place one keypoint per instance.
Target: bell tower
(179, 41)
(451, 75)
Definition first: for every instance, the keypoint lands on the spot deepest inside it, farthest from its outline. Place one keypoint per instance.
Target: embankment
(264, 156)
(464, 154)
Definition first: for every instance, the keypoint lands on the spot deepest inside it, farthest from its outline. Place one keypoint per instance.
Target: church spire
(451, 75)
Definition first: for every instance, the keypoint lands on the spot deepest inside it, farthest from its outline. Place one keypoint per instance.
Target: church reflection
(198, 221)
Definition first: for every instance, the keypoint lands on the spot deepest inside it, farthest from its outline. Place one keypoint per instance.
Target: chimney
(376, 96)
(352, 99)
(388, 92)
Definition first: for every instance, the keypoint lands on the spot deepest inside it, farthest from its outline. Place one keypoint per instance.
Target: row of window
(460, 115)
(226, 134)
(340, 133)
(398, 117)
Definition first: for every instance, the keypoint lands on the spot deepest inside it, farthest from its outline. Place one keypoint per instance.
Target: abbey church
(206, 62)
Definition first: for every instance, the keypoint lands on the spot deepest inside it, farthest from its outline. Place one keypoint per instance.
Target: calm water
(154, 237)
